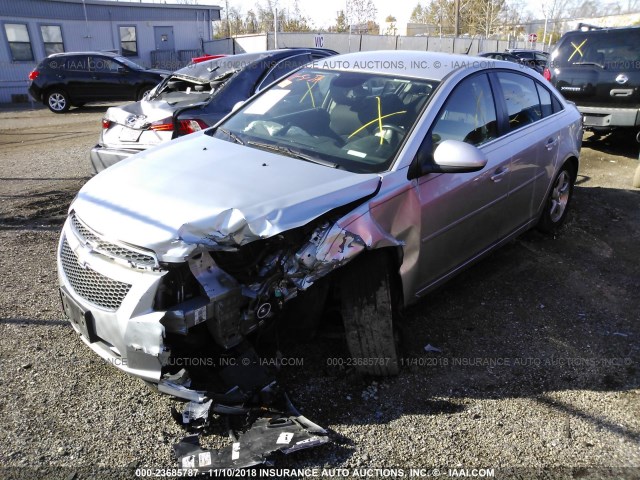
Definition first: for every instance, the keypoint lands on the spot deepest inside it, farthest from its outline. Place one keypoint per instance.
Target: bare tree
(361, 12)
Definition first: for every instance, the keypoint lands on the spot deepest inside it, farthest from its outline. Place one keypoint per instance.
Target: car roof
(525, 50)
(405, 63)
(64, 54)
(209, 69)
(604, 29)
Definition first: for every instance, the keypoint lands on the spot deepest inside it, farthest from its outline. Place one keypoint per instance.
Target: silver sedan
(375, 175)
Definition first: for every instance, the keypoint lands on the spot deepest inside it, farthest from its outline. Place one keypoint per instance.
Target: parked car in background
(63, 80)
(192, 99)
(535, 59)
(599, 70)
(500, 56)
(369, 180)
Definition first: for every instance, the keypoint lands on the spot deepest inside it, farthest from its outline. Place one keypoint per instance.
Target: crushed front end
(146, 316)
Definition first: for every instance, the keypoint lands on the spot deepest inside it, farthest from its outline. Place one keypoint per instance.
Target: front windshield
(129, 63)
(351, 120)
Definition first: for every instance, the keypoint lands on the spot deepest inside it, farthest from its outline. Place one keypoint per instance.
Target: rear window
(609, 50)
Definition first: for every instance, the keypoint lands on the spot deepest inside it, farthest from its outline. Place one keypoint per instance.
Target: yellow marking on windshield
(375, 120)
(379, 119)
(309, 92)
(576, 49)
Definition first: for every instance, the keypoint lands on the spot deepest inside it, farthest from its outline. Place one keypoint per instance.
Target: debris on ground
(259, 416)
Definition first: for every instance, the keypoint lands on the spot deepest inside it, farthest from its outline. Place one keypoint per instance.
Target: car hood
(200, 190)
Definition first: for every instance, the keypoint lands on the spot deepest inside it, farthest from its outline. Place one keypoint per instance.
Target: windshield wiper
(293, 153)
(231, 135)
(589, 63)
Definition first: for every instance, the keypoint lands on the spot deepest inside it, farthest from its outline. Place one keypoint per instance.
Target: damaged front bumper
(111, 306)
(131, 309)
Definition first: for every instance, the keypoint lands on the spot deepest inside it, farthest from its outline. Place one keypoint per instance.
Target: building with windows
(150, 34)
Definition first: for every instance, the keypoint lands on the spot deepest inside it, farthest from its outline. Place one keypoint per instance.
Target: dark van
(599, 70)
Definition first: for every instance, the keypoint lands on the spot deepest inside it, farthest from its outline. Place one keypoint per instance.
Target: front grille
(109, 249)
(92, 286)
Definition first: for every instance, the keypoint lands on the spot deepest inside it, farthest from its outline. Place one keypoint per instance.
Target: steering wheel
(325, 132)
(396, 137)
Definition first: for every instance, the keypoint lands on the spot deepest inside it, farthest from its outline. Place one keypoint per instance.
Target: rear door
(106, 79)
(599, 68)
(76, 77)
(533, 138)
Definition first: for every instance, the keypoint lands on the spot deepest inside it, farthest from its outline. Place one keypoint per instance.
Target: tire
(557, 204)
(143, 91)
(369, 307)
(57, 101)
(636, 178)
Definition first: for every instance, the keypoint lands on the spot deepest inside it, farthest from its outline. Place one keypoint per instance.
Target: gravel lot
(537, 375)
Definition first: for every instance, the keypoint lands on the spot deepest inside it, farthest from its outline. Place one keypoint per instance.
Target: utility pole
(226, 9)
(456, 31)
(275, 29)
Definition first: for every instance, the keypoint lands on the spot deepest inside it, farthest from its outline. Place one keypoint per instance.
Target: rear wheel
(369, 307)
(144, 90)
(58, 101)
(557, 204)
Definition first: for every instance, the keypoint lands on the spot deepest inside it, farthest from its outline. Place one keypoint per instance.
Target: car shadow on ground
(617, 143)
(543, 314)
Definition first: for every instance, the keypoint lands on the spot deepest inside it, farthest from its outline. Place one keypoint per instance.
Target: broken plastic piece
(178, 385)
(430, 348)
(253, 447)
(194, 416)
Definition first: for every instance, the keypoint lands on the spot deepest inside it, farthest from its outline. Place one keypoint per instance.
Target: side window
(102, 65)
(77, 64)
(545, 100)
(19, 41)
(52, 39)
(128, 41)
(283, 67)
(557, 106)
(469, 114)
(521, 98)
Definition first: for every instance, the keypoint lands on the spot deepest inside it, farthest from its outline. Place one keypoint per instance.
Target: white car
(375, 175)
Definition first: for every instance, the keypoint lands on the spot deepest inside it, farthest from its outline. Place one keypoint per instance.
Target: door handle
(499, 174)
(551, 143)
(621, 92)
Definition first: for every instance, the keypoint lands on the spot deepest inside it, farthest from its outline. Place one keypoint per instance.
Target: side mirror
(453, 156)
(450, 156)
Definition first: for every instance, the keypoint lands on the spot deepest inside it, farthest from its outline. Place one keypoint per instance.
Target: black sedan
(63, 80)
(192, 99)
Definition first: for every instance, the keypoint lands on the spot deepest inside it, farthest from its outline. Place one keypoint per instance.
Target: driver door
(462, 214)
